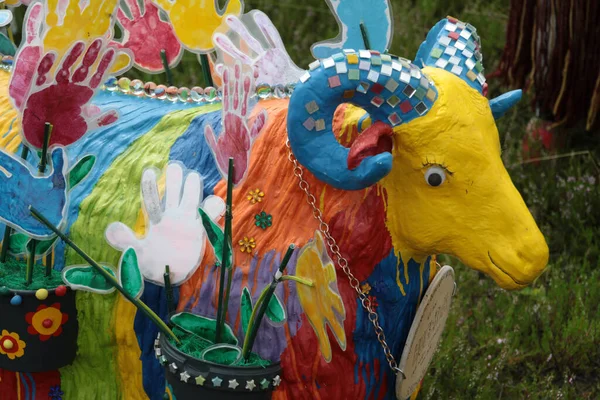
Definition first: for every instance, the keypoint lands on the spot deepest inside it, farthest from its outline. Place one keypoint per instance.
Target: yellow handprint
(195, 21)
(321, 302)
(69, 21)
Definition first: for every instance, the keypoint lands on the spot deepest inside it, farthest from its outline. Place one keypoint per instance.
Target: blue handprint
(20, 187)
(376, 16)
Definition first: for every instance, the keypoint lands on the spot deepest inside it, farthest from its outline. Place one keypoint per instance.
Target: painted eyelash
(428, 163)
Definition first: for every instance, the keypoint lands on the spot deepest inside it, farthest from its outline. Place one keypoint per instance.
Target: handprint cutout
(236, 137)
(376, 16)
(175, 235)
(271, 65)
(29, 56)
(145, 34)
(321, 302)
(20, 187)
(64, 100)
(195, 21)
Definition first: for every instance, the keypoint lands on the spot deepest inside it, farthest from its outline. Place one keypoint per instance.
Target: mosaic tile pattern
(391, 89)
(455, 47)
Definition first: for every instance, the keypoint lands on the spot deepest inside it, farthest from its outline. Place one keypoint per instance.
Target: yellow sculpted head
(449, 193)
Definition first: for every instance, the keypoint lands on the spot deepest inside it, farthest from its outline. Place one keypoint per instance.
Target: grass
(538, 343)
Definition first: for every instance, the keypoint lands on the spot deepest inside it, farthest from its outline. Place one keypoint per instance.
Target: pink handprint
(145, 34)
(236, 137)
(29, 57)
(272, 65)
(64, 101)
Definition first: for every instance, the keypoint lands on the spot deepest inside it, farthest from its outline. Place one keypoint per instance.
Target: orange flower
(46, 321)
(11, 345)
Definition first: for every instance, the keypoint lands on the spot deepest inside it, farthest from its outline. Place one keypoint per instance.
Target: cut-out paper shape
(270, 60)
(64, 100)
(376, 17)
(21, 187)
(216, 238)
(245, 309)
(236, 137)
(146, 35)
(7, 47)
(21, 244)
(203, 327)
(5, 16)
(86, 278)
(130, 277)
(322, 303)
(195, 22)
(175, 235)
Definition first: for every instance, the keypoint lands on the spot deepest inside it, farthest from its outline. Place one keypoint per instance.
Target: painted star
(157, 352)
(200, 380)
(184, 376)
(276, 381)
(163, 360)
(173, 367)
(156, 343)
(233, 384)
(217, 381)
(264, 383)
(250, 385)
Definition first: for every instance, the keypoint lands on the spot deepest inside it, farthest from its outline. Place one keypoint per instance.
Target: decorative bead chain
(196, 94)
(343, 263)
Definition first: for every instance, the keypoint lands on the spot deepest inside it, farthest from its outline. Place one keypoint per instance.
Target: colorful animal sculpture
(425, 178)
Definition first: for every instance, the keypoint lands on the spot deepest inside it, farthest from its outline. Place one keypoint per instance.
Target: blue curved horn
(390, 89)
(501, 104)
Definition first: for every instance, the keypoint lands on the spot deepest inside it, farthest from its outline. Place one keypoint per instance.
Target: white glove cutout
(175, 235)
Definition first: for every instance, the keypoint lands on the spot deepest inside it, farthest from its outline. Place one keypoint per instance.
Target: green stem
(206, 70)
(140, 305)
(363, 32)
(163, 56)
(41, 169)
(30, 262)
(7, 229)
(222, 305)
(297, 279)
(267, 293)
(168, 289)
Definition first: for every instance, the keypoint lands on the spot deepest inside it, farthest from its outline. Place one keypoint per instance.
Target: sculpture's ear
(454, 46)
(501, 104)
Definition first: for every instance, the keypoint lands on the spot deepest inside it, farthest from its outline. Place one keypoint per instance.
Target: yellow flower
(247, 244)
(255, 196)
(11, 345)
(366, 288)
(321, 301)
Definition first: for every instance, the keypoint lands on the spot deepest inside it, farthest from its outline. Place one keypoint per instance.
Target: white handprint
(272, 65)
(175, 235)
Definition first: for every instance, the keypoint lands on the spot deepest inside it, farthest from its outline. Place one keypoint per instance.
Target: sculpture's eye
(435, 176)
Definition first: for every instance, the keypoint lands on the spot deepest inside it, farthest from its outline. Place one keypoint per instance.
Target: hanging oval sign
(425, 333)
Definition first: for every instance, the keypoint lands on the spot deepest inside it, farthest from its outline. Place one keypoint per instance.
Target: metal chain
(343, 263)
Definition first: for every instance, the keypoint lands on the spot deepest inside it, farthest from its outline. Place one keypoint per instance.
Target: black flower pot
(37, 335)
(250, 383)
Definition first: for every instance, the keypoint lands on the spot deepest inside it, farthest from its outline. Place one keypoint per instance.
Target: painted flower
(263, 220)
(255, 196)
(365, 287)
(247, 244)
(322, 303)
(46, 321)
(55, 393)
(373, 301)
(11, 345)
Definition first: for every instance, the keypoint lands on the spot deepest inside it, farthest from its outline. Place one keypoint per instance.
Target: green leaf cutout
(275, 311)
(215, 236)
(246, 309)
(20, 245)
(81, 170)
(222, 354)
(6, 46)
(130, 276)
(86, 278)
(203, 327)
